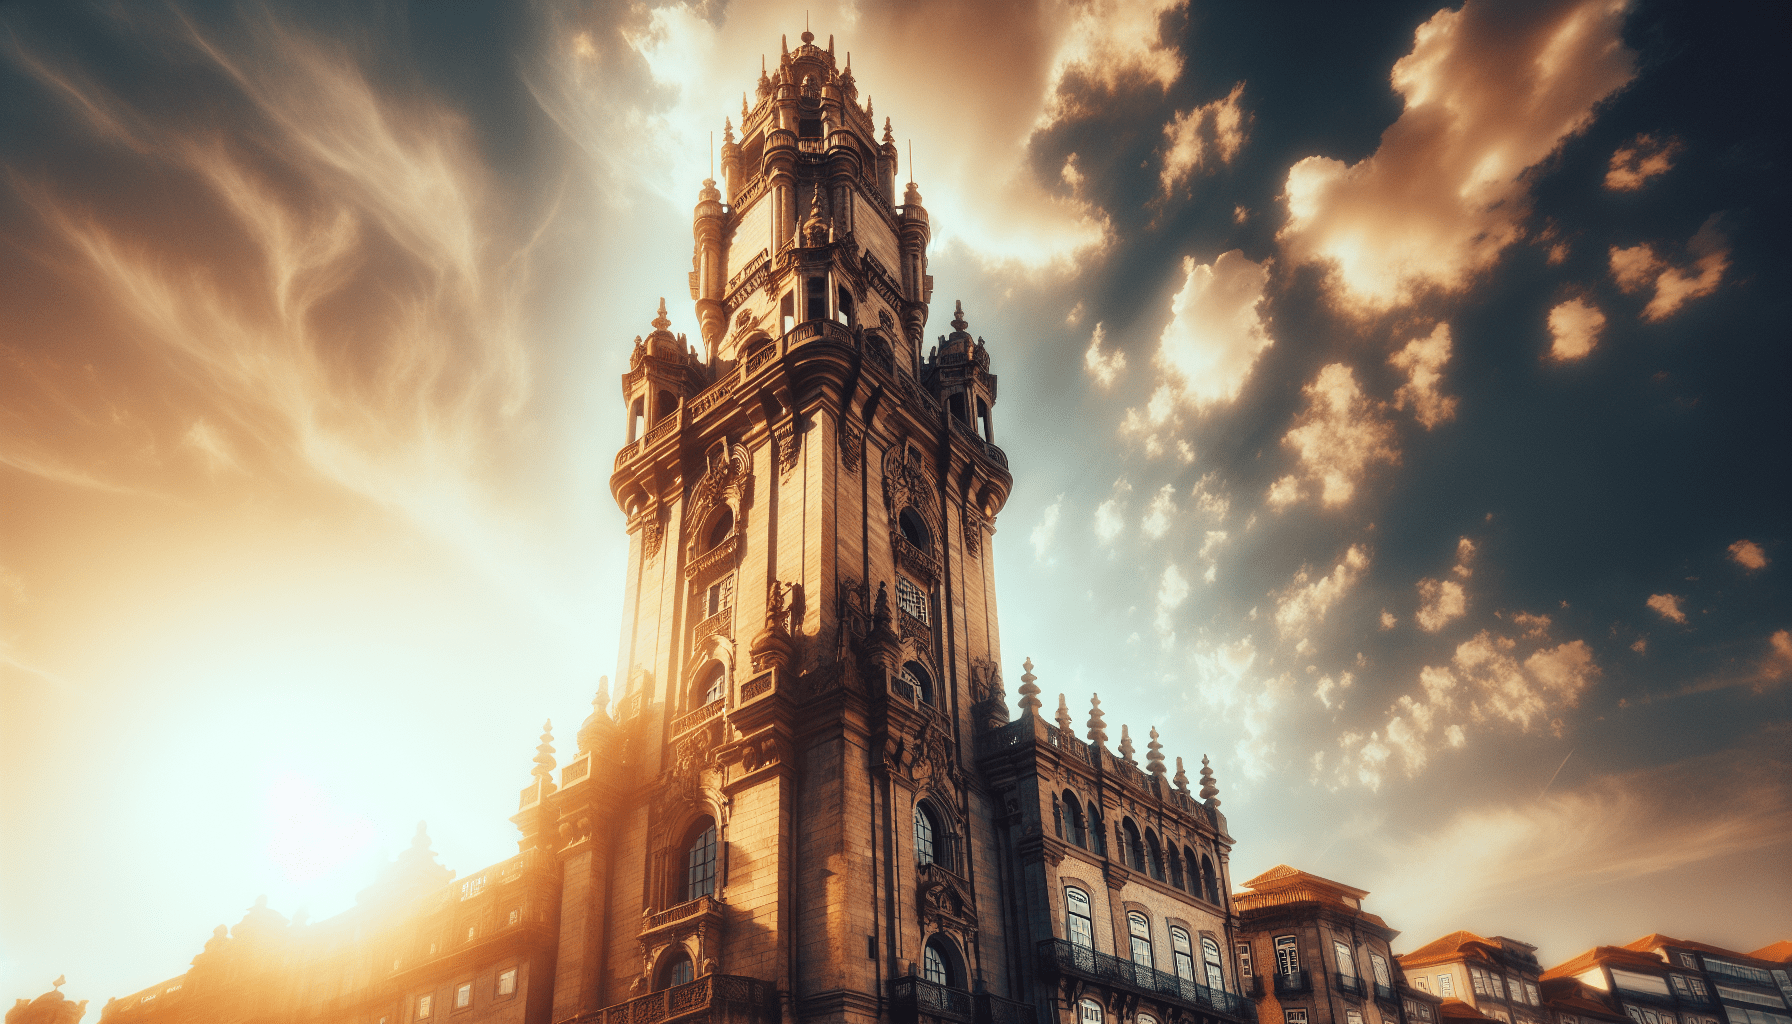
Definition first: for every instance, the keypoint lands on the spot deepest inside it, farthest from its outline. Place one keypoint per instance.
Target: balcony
(717, 998)
(703, 906)
(1062, 957)
(1385, 993)
(1351, 985)
(1293, 983)
(685, 723)
(913, 999)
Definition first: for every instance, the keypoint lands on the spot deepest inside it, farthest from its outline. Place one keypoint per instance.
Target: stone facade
(1315, 956)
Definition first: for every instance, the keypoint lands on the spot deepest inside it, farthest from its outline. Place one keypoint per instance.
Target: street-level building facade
(1312, 955)
(1499, 976)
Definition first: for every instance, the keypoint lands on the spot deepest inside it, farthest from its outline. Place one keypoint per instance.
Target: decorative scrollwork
(852, 446)
(790, 446)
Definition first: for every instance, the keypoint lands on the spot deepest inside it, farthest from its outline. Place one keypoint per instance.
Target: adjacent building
(1658, 979)
(1311, 954)
(1499, 976)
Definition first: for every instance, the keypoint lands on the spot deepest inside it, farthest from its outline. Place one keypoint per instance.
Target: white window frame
(510, 976)
(463, 995)
(1088, 1011)
(1244, 959)
(1446, 986)
(1294, 1017)
(1071, 915)
(1287, 954)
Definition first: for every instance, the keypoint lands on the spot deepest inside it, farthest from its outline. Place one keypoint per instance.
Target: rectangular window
(1681, 988)
(1421, 984)
(1530, 994)
(815, 297)
(1294, 1017)
(515, 916)
(1346, 964)
(1569, 1018)
(1737, 995)
(911, 599)
(1380, 967)
(787, 311)
(719, 597)
(1688, 960)
(1353, 1017)
(423, 1007)
(1287, 956)
(1698, 987)
(463, 996)
(1477, 979)
(1244, 959)
(507, 983)
(1446, 986)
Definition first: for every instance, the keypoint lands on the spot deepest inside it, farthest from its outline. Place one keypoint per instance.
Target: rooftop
(1622, 956)
(1651, 942)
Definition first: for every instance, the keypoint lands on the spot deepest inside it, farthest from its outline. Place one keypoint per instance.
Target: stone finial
(743, 97)
(660, 322)
(1029, 688)
(728, 125)
(889, 135)
(815, 226)
(958, 321)
(869, 111)
(1065, 731)
(1154, 754)
(783, 45)
(912, 195)
(601, 702)
(544, 753)
(1126, 747)
(1181, 779)
(1098, 726)
(1210, 793)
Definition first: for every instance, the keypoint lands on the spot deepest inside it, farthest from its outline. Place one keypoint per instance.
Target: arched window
(635, 419)
(1073, 819)
(663, 405)
(815, 299)
(919, 684)
(1154, 856)
(1135, 847)
(1175, 868)
(1210, 956)
(707, 689)
(844, 305)
(1194, 871)
(1209, 881)
(914, 528)
(1146, 1018)
(676, 970)
(1098, 830)
(1139, 929)
(1089, 1012)
(930, 839)
(700, 861)
(719, 528)
(983, 421)
(1077, 922)
(939, 963)
(1183, 951)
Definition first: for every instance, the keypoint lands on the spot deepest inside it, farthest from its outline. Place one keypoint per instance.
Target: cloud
(1748, 554)
(1105, 368)
(1575, 326)
(1440, 601)
(1215, 331)
(1778, 665)
(1045, 532)
(1489, 93)
(1110, 515)
(1284, 492)
(1328, 686)
(1388, 619)
(1423, 360)
(1644, 158)
(1215, 128)
(1668, 606)
(1638, 266)
(1514, 852)
(1157, 515)
(1340, 434)
(1172, 590)
(1305, 601)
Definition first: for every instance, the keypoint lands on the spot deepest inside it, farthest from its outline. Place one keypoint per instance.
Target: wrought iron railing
(991, 1009)
(915, 998)
(1385, 993)
(1293, 982)
(1066, 957)
(1350, 984)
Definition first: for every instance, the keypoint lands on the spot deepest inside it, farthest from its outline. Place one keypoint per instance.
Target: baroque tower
(809, 642)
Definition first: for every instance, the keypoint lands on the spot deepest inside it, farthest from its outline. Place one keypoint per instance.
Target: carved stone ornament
(989, 701)
(933, 759)
(906, 486)
(727, 480)
(790, 446)
(852, 446)
(652, 533)
(944, 902)
(973, 530)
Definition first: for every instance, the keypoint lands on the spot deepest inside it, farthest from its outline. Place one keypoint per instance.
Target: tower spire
(1181, 779)
(1210, 792)
(1098, 726)
(544, 753)
(1126, 747)
(1154, 755)
(1065, 731)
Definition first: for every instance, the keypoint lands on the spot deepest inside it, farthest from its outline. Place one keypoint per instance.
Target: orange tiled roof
(1604, 954)
(1282, 876)
(1778, 953)
(1456, 1009)
(1647, 944)
(1449, 947)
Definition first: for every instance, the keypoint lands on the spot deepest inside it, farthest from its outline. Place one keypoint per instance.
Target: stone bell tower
(782, 793)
